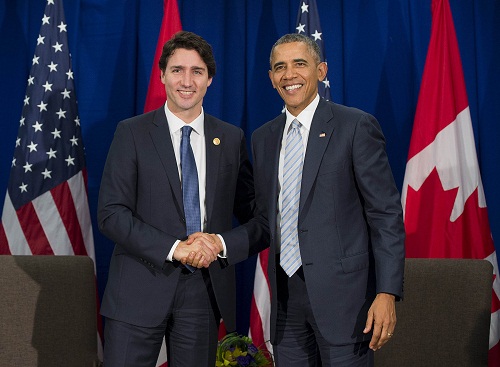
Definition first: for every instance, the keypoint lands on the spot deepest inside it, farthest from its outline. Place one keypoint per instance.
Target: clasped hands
(199, 250)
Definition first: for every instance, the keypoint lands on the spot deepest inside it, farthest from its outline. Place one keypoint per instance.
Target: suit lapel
(272, 148)
(319, 137)
(162, 141)
(214, 140)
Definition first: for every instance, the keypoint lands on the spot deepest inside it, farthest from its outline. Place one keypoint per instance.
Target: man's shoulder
(341, 109)
(220, 124)
(147, 116)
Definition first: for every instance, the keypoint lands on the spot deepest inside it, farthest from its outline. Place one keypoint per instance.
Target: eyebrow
(294, 60)
(183, 67)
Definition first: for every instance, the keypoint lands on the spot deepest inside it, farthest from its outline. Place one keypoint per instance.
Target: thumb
(192, 237)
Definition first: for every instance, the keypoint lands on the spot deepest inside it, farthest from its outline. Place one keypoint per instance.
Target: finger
(369, 322)
(377, 332)
(190, 258)
(209, 249)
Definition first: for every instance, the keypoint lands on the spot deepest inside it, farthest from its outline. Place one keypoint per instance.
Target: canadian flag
(443, 200)
(156, 96)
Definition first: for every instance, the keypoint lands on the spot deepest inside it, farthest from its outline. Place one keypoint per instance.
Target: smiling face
(186, 81)
(295, 74)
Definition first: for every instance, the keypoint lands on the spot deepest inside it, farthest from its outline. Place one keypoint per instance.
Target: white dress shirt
(197, 139)
(305, 119)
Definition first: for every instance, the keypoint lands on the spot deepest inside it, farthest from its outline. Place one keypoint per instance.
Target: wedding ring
(390, 334)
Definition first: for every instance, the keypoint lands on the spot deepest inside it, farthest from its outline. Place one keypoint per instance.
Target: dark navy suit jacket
(141, 210)
(350, 225)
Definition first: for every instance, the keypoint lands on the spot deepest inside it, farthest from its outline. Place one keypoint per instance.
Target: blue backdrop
(375, 49)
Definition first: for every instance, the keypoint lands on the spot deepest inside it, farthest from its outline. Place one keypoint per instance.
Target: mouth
(293, 87)
(186, 93)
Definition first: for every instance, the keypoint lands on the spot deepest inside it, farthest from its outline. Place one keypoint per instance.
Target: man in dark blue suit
(144, 209)
(336, 259)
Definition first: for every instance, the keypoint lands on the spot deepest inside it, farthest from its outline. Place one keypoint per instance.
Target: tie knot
(186, 131)
(295, 124)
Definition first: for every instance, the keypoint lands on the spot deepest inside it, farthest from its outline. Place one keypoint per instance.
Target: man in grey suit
(143, 210)
(336, 236)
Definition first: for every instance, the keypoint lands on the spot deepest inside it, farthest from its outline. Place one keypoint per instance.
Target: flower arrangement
(239, 351)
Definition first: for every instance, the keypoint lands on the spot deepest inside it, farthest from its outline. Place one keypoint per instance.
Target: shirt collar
(305, 117)
(175, 123)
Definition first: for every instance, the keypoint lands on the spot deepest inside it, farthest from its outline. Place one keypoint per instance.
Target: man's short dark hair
(188, 41)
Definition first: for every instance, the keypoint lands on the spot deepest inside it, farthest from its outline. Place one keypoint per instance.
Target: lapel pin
(216, 141)
(322, 134)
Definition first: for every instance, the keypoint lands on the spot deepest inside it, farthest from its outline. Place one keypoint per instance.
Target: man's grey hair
(312, 46)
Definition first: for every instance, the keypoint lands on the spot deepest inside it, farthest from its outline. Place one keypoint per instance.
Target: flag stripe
(33, 230)
(78, 187)
(66, 207)
(4, 248)
(13, 232)
(50, 220)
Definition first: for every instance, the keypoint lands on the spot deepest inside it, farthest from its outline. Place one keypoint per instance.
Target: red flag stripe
(33, 230)
(78, 186)
(13, 232)
(260, 310)
(67, 211)
(170, 24)
(4, 246)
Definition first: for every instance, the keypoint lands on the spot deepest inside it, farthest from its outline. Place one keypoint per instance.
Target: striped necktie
(292, 176)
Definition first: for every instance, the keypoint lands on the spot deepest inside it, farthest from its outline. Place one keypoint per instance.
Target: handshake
(199, 250)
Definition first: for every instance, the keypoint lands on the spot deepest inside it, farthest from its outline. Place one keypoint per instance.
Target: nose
(186, 79)
(289, 73)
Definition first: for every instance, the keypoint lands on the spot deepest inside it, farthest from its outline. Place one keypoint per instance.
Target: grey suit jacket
(141, 210)
(350, 225)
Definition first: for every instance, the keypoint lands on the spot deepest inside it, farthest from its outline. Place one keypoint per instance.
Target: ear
(209, 81)
(322, 70)
(270, 73)
(162, 76)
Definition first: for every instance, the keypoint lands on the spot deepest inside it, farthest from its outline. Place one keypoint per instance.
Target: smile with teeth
(186, 92)
(292, 87)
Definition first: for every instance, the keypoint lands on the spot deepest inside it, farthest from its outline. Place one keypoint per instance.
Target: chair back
(444, 318)
(47, 311)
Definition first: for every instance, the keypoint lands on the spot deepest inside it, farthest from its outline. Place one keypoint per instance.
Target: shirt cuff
(223, 253)
(170, 256)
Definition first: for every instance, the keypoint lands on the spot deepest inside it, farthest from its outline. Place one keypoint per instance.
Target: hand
(210, 240)
(199, 250)
(382, 316)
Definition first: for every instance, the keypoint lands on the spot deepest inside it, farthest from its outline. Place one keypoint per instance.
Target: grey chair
(47, 311)
(444, 319)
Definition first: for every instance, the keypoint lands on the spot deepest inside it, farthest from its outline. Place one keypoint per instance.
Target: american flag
(308, 24)
(260, 309)
(46, 209)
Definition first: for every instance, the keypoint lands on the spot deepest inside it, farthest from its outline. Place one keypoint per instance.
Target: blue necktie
(190, 193)
(290, 194)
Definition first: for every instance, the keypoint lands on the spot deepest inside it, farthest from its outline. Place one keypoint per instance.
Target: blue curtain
(375, 49)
